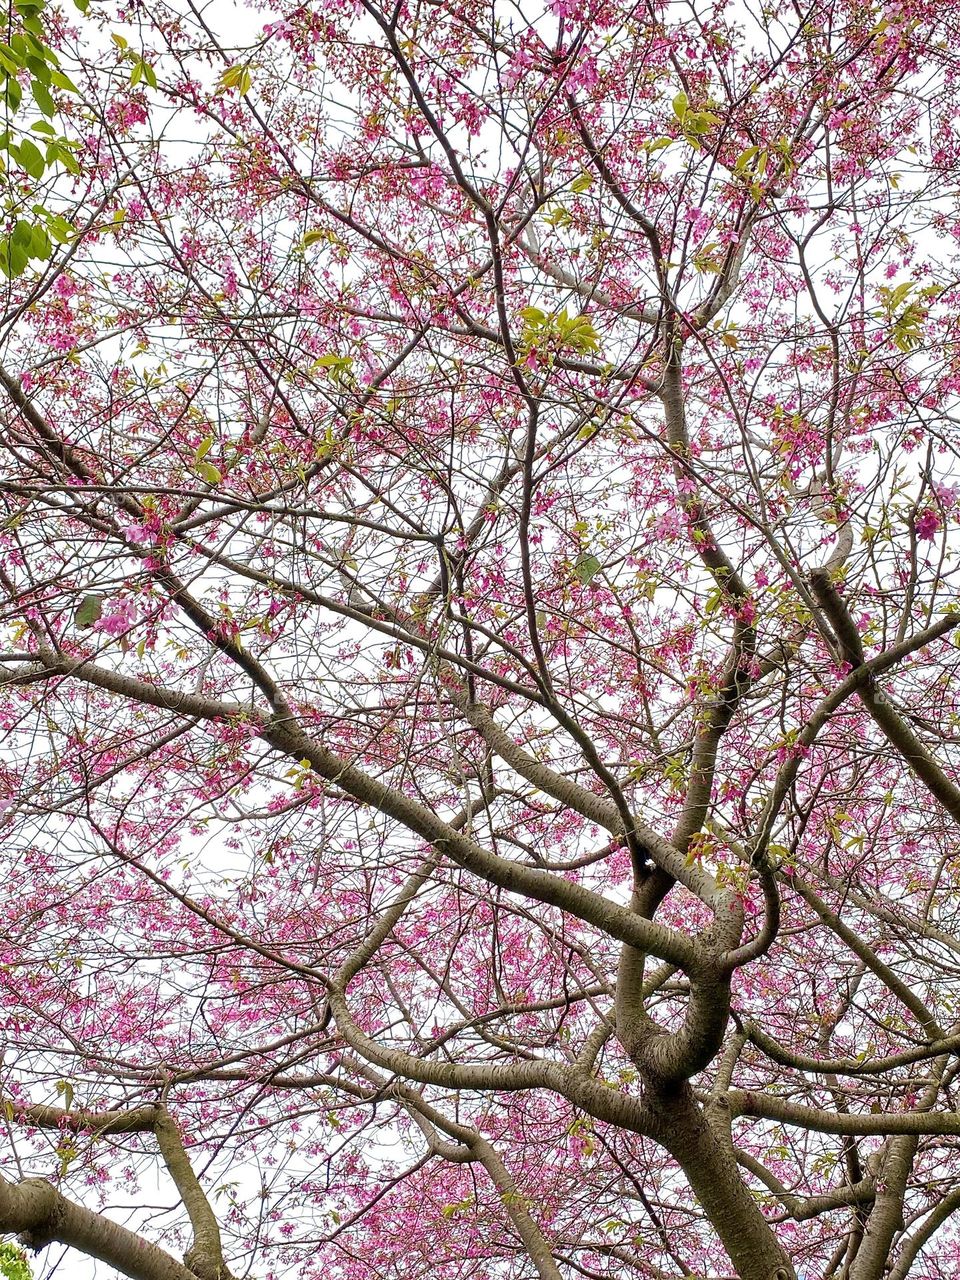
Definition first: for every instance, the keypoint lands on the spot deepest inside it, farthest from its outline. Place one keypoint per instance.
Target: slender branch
(897, 731)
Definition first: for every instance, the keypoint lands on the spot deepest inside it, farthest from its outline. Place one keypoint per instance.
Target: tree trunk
(711, 1169)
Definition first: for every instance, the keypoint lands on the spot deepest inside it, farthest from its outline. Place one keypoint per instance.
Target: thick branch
(205, 1257)
(41, 1116)
(36, 1211)
(764, 1106)
(849, 1066)
(618, 921)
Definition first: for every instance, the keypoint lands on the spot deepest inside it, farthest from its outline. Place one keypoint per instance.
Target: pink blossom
(927, 524)
(230, 282)
(139, 534)
(281, 28)
(118, 617)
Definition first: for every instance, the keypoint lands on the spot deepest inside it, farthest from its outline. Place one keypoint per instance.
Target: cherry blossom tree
(479, 673)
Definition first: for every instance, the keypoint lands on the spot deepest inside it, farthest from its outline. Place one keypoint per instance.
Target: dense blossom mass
(479, 620)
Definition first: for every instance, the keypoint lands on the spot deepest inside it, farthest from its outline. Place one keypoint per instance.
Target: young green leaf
(586, 568)
(91, 607)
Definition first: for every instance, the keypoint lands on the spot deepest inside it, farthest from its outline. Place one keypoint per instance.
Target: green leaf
(203, 448)
(13, 258)
(314, 237)
(578, 332)
(68, 1152)
(13, 1263)
(586, 568)
(452, 1210)
(91, 607)
(58, 152)
(42, 51)
(713, 601)
(208, 472)
(40, 246)
(22, 235)
(38, 68)
(31, 159)
(581, 184)
(705, 260)
(697, 122)
(41, 96)
(60, 229)
(332, 361)
(63, 82)
(142, 70)
(680, 104)
(237, 77)
(892, 298)
(557, 216)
